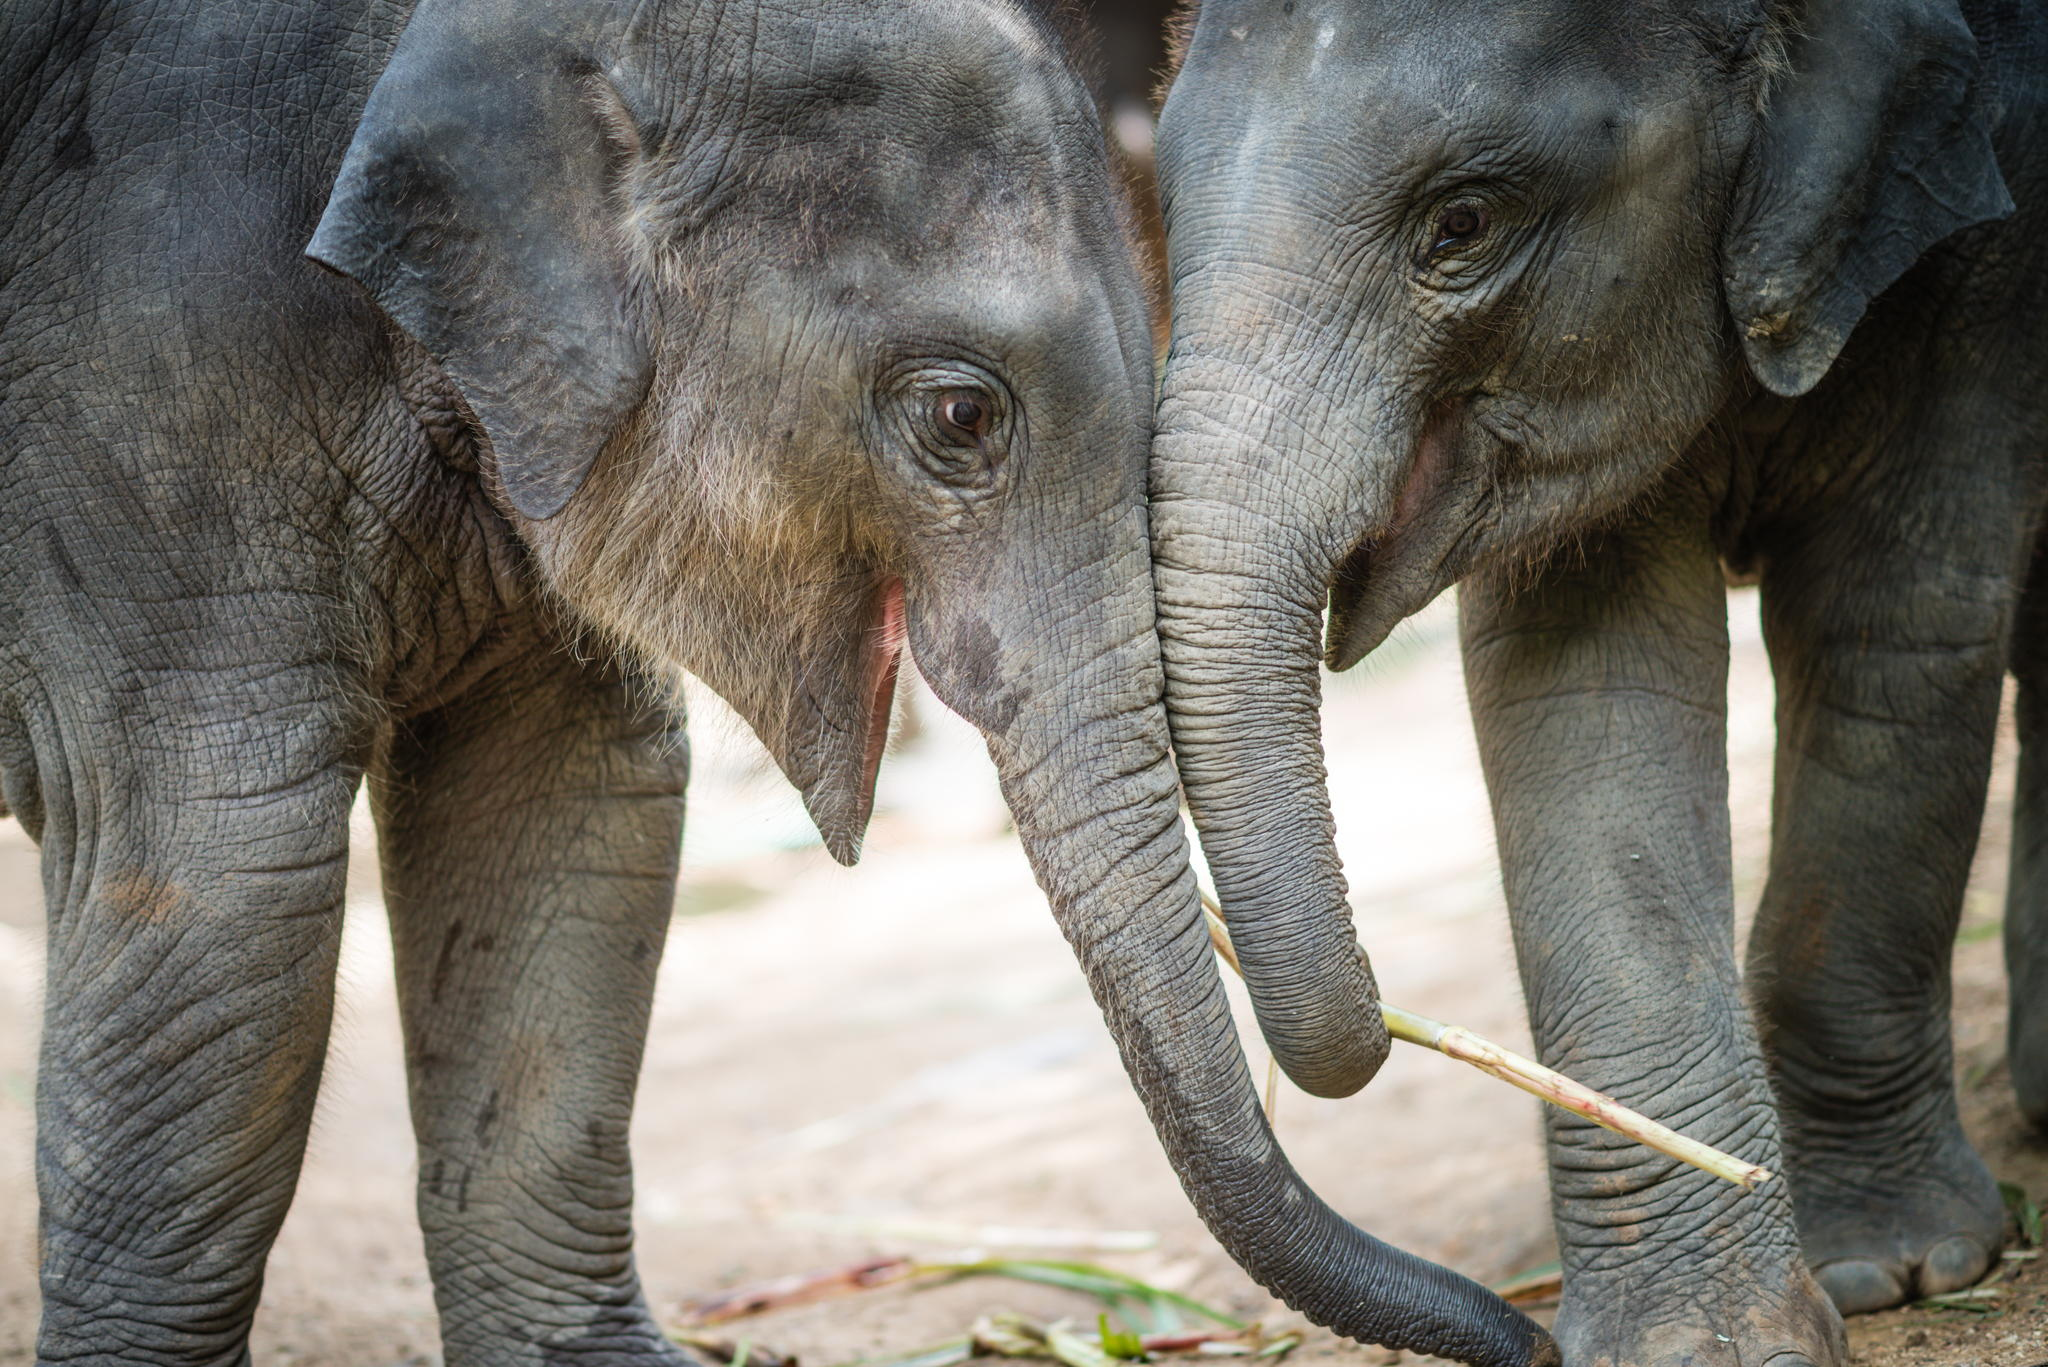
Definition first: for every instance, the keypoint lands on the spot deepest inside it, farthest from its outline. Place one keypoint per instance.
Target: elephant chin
(833, 760)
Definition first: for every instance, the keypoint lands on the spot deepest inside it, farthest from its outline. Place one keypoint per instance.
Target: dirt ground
(839, 1056)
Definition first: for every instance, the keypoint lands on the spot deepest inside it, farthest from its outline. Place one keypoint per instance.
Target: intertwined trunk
(1080, 739)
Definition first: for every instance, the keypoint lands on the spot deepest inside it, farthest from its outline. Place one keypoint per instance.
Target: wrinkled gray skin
(628, 342)
(1585, 305)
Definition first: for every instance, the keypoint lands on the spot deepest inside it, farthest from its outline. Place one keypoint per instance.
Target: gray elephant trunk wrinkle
(1240, 631)
(1097, 811)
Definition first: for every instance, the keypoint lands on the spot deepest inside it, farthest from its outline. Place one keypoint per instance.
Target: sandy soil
(837, 1053)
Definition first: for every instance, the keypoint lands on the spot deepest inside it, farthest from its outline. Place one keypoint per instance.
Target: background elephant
(1128, 42)
(757, 342)
(1580, 304)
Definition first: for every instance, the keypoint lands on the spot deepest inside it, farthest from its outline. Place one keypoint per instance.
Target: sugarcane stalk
(1455, 1041)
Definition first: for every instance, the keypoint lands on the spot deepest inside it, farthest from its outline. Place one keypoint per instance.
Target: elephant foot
(663, 1354)
(1891, 1201)
(1710, 1313)
(1880, 1230)
(619, 1336)
(650, 1353)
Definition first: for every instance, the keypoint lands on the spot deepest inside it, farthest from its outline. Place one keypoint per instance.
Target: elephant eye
(1459, 224)
(961, 417)
(954, 420)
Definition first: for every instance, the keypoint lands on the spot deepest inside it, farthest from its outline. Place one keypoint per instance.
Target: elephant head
(1452, 281)
(794, 334)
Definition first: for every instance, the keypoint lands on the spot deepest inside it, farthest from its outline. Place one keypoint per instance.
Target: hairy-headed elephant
(750, 339)
(1583, 305)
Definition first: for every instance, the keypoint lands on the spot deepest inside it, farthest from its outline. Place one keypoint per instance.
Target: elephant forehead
(1406, 66)
(1638, 37)
(1405, 104)
(917, 70)
(957, 171)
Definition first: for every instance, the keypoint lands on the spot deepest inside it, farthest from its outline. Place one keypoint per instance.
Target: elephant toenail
(1857, 1287)
(1952, 1264)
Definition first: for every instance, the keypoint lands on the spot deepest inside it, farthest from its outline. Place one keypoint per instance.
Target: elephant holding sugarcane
(1585, 307)
(404, 395)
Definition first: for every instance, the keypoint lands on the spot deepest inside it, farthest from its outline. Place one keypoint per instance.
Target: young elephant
(1580, 304)
(753, 339)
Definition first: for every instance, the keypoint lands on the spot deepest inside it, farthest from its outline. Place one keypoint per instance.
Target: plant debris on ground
(1149, 1321)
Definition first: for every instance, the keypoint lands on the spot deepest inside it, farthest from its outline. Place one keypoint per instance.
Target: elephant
(403, 397)
(1587, 309)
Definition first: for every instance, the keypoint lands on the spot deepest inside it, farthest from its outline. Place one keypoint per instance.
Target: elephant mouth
(1430, 538)
(832, 749)
(882, 660)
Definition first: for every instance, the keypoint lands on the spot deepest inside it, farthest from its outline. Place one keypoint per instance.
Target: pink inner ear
(1428, 472)
(885, 654)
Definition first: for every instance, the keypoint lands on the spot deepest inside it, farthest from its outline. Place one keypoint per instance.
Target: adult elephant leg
(193, 869)
(1599, 695)
(530, 834)
(2026, 898)
(1887, 636)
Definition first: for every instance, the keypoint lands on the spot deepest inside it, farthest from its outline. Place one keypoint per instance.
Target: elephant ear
(474, 206)
(1876, 145)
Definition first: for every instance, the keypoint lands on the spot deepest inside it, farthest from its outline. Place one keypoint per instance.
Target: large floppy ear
(474, 206)
(1875, 146)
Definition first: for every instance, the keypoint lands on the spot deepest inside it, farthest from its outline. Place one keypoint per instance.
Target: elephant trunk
(1240, 603)
(1081, 745)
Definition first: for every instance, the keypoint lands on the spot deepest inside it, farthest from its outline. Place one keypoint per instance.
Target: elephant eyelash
(965, 465)
(1446, 260)
(1494, 203)
(1457, 224)
(913, 396)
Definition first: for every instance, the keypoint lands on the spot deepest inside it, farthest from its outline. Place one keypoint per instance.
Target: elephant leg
(2026, 898)
(193, 873)
(1599, 698)
(1887, 638)
(530, 835)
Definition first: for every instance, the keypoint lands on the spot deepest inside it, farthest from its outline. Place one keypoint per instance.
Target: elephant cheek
(961, 656)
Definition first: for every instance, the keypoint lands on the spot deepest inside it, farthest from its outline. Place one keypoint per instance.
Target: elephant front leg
(194, 915)
(1599, 700)
(530, 837)
(1889, 659)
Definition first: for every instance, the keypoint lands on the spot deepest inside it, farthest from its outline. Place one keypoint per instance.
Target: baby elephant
(1584, 304)
(755, 339)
